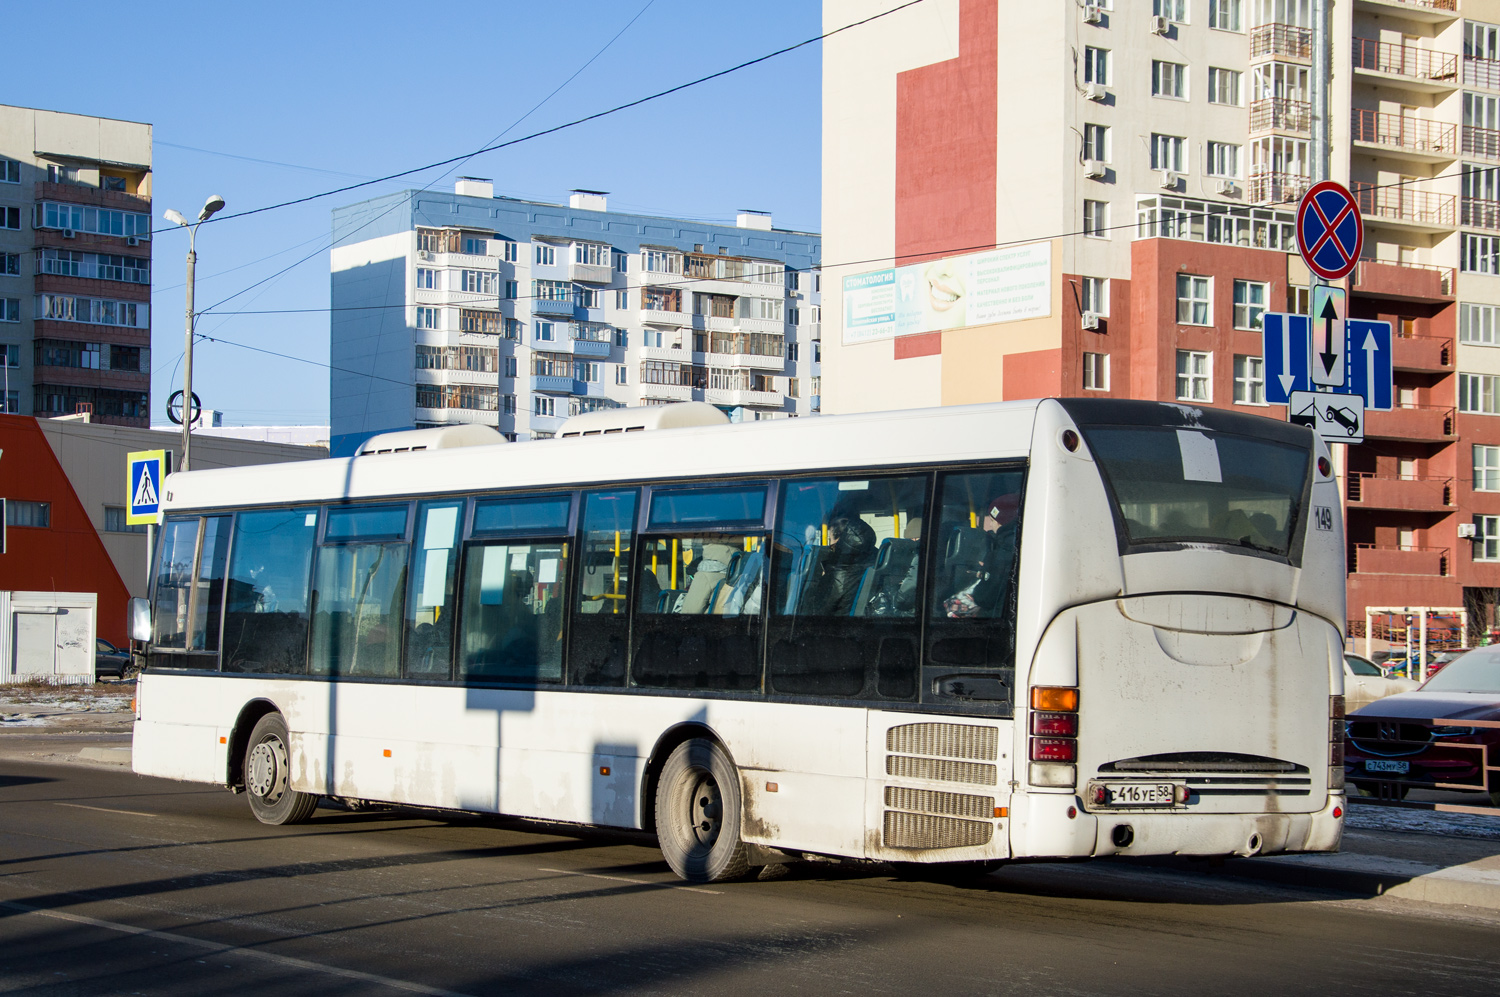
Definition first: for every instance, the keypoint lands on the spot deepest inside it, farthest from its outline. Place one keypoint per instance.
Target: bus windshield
(1194, 486)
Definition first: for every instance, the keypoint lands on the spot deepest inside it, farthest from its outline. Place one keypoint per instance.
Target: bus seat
(881, 588)
(742, 592)
(714, 564)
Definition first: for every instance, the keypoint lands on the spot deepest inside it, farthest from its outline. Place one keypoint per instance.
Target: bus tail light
(1055, 724)
(1335, 744)
(1054, 749)
(1057, 699)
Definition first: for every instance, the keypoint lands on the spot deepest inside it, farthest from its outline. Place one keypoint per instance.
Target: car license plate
(1140, 795)
(1382, 765)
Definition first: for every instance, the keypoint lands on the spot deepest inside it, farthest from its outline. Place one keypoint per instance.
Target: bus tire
(268, 775)
(698, 810)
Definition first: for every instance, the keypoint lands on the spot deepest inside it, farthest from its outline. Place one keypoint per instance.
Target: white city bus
(1044, 629)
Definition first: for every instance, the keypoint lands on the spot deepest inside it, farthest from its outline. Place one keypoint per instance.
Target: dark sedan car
(1431, 738)
(109, 660)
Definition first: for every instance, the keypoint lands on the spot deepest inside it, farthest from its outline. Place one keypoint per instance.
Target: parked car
(109, 660)
(1421, 738)
(1365, 682)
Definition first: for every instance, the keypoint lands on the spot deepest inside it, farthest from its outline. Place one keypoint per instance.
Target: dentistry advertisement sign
(997, 285)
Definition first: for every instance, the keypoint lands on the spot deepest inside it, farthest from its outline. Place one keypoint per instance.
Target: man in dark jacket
(851, 549)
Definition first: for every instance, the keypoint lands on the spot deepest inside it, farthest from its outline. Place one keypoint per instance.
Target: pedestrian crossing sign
(143, 486)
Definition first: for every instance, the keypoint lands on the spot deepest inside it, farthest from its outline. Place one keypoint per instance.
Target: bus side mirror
(140, 619)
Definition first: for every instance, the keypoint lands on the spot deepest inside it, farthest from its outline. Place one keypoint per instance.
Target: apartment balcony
(774, 326)
(431, 375)
(1276, 188)
(75, 193)
(667, 392)
(590, 273)
(1425, 11)
(746, 361)
(1371, 559)
(672, 354)
(1414, 423)
(1403, 281)
(1407, 66)
(1411, 138)
(555, 384)
(1483, 143)
(655, 316)
(1425, 354)
(744, 396)
(552, 306)
(714, 323)
(458, 416)
(592, 348)
(1280, 114)
(1416, 209)
(1479, 212)
(1281, 41)
(1415, 493)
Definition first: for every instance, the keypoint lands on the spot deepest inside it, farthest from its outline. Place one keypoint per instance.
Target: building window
(1476, 324)
(622, 339)
(427, 279)
(1096, 65)
(1166, 152)
(1249, 380)
(511, 328)
(1095, 295)
(546, 255)
(791, 352)
(474, 320)
(508, 251)
(1486, 468)
(427, 318)
(552, 290)
(1487, 538)
(1172, 10)
(1476, 393)
(1223, 86)
(10, 218)
(1168, 79)
(1224, 14)
(543, 332)
(103, 266)
(591, 253)
(10, 264)
(1250, 297)
(10, 355)
(508, 406)
(480, 281)
(1194, 376)
(622, 299)
(1096, 219)
(1479, 253)
(622, 374)
(115, 521)
(82, 218)
(93, 311)
(543, 405)
(12, 402)
(1096, 371)
(1096, 142)
(586, 370)
(19, 512)
(1298, 299)
(1194, 300)
(512, 290)
(661, 261)
(10, 171)
(10, 309)
(510, 366)
(622, 263)
(587, 297)
(1223, 160)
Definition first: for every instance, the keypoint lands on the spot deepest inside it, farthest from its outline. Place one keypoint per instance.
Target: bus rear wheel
(268, 775)
(698, 814)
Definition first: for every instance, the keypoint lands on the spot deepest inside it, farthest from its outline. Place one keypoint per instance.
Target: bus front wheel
(698, 814)
(268, 776)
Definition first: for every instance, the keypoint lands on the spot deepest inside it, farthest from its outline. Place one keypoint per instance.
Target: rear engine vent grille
(947, 804)
(923, 831)
(940, 770)
(945, 740)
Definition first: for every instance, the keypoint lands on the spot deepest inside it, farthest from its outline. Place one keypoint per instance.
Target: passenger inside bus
(980, 560)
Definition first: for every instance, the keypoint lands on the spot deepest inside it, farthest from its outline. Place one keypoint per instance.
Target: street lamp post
(210, 207)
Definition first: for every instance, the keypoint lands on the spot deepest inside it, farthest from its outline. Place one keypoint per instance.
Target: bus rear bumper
(1047, 830)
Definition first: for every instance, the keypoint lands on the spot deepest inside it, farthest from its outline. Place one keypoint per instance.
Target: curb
(109, 756)
(1470, 884)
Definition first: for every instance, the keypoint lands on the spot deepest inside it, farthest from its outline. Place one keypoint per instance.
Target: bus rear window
(1190, 486)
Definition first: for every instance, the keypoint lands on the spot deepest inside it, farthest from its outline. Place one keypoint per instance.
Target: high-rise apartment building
(75, 266)
(1139, 163)
(465, 307)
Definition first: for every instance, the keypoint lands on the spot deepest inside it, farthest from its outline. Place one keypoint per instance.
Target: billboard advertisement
(996, 285)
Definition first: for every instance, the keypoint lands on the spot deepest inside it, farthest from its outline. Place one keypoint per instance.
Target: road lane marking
(638, 882)
(104, 810)
(218, 948)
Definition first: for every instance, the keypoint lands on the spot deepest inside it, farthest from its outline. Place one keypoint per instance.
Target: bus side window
(846, 577)
(359, 586)
(430, 603)
(270, 582)
(190, 592)
(600, 628)
(513, 599)
(174, 589)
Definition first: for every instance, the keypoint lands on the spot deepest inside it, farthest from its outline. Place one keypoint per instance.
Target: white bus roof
(913, 436)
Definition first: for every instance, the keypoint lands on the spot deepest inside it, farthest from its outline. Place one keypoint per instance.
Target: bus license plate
(1141, 795)
(1380, 765)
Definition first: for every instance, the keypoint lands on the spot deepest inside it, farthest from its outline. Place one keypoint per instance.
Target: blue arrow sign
(1287, 355)
(1368, 356)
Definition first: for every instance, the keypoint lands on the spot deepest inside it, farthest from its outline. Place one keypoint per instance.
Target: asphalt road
(115, 884)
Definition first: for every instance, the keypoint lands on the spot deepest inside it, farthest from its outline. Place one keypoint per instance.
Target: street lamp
(210, 207)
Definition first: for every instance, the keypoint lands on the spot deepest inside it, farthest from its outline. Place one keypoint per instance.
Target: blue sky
(328, 94)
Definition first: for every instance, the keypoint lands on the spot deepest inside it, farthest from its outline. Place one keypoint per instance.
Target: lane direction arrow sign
(1330, 231)
(1286, 348)
(1328, 337)
(1368, 346)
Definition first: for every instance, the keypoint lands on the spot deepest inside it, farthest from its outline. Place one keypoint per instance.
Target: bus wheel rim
(267, 775)
(706, 810)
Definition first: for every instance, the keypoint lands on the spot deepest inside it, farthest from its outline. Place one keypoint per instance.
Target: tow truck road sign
(1328, 336)
(1330, 231)
(1334, 416)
